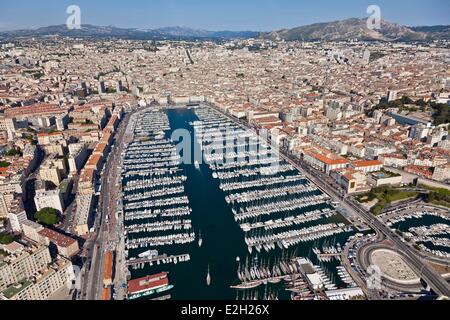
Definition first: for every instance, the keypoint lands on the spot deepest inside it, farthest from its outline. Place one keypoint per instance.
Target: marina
(230, 224)
(430, 231)
(156, 207)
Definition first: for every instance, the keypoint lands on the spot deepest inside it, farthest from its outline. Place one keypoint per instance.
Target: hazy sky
(257, 15)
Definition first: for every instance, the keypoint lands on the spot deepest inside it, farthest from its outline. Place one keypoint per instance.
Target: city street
(109, 222)
(105, 223)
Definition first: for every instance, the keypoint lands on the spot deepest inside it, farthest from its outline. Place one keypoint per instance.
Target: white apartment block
(442, 173)
(396, 161)
(78, 154)
(22, 262)
(5, 200)
(16, 219)
(84, 208)
(49, 199)
(45, 284)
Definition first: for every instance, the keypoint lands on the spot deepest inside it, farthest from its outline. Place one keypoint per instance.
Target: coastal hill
(357, 29)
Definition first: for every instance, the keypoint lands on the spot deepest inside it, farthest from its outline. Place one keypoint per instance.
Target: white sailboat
(208, 278)
(200, 239)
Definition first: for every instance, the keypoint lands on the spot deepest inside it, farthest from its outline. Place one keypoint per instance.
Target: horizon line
(34, 28)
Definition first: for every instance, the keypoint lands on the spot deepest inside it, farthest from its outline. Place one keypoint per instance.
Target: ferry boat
(148, 286)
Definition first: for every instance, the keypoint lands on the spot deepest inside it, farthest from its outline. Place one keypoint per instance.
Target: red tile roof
(108, 266)
(370, 163)
(50, 134)
(148, 283)
(94, 160)
(106, 294)
(325, 159)
(329, 161)
(35, 109)
(87, 175)
(57, 238)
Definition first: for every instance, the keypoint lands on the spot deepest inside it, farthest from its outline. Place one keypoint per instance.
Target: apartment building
(50, 173)
(367, 166)
(83, 217)
(324, 160)
(16, 218)
(65, 246)
(352, 181)
(22, 262)
(78, 154)
(43, 285)
(49, 199)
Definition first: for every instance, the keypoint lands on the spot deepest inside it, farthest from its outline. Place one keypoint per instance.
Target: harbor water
(219, 248)
(426, 221)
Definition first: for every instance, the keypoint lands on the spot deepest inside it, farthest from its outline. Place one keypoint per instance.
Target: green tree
(6, 238)
(441, 113)
(13, 153)
(4, 164)
(48, 216)
(406, 100)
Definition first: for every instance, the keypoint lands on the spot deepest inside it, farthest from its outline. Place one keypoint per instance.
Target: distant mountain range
(330, 31)
(90, 31)
(357, 29)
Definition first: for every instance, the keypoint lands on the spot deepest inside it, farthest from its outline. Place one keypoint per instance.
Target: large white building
(324, 163)
(47, 283)
(22, 262)
(392, 95)
(442, 173)
(49, 199)
(5, 200)
(78, 154)
(16, 219)
(373, 150)
(436, 136)
(394, 160)
(419, 131)
(367, 166)
(82, 216)
(9, 125)
(28, 273)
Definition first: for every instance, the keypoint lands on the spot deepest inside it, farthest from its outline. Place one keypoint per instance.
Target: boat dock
(140, 263)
